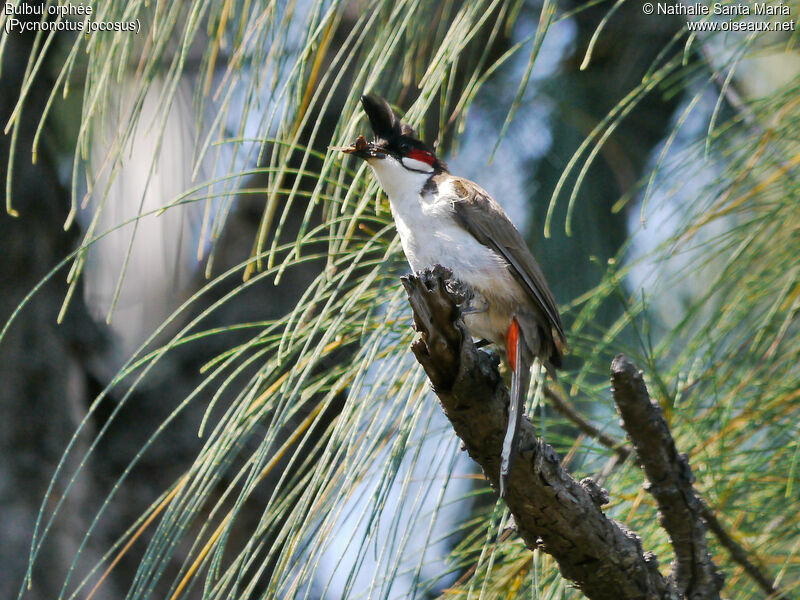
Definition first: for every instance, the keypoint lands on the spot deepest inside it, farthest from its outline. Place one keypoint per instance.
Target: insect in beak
(364, 149)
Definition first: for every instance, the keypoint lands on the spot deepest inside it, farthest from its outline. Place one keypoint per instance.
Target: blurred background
(206, 383)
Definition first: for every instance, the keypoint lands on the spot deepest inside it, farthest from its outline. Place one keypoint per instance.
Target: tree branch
(737, 552)
(670, 478)
(551, 510)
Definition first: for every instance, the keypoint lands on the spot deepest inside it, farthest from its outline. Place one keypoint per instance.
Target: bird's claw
(475, 306)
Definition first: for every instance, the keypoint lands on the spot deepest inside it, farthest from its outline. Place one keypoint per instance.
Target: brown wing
(471, 210)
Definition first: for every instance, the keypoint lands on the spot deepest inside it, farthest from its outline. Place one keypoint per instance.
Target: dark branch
(737, 552)
(551, 510)
(670, 478)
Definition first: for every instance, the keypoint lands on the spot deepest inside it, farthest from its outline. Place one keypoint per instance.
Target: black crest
(393, 136)
(385, 123)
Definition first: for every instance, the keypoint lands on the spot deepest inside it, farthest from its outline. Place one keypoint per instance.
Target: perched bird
(447, 220)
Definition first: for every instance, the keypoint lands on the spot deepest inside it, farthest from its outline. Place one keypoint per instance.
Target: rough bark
(552, 511)
(670, 482)
(623, 450)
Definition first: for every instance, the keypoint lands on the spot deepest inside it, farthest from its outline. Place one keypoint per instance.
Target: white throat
(431, 235)
(396, 180)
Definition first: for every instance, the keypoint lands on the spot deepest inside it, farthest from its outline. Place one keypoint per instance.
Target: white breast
(430, 235)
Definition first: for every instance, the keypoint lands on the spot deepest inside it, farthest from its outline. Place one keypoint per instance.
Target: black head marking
(384, 121)
(392, 134)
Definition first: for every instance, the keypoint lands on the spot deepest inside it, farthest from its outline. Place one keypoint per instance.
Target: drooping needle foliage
(319, 421)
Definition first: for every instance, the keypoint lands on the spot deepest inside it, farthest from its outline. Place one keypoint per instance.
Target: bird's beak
(364, 149)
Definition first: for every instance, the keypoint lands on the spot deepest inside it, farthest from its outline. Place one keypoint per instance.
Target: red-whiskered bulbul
(444, 219)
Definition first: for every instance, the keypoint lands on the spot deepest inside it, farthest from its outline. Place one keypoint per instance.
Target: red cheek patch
(422, 156)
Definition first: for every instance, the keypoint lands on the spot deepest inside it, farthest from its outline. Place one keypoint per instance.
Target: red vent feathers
(512, 338)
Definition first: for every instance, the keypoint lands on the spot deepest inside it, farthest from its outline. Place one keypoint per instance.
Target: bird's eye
(405, 148)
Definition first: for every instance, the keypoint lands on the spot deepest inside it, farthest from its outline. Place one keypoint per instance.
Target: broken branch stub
(552, 511)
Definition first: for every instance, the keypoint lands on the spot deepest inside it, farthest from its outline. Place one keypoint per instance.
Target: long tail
(520, 360)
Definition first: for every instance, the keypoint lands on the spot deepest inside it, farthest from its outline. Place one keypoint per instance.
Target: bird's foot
(475, 306)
